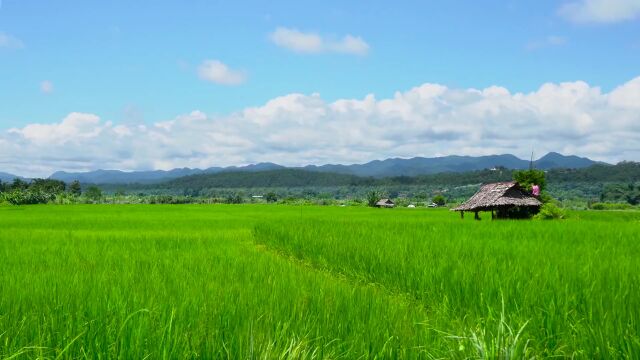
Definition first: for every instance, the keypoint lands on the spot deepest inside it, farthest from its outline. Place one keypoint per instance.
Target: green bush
(439, 200)
(233, 199)
(169, 199)
(373, 197)
(526, 178)
(28, 197)
(93, 193)
(271, 197)
(550, 211)
(75, 188)
(610, 206)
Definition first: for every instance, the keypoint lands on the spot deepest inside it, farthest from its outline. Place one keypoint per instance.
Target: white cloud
(46, 87)
(627, 95)
(10, 42)
(299, 129)
(312, 43)
(549, 41)
(219, 73)
(600, 11)
(75, 127)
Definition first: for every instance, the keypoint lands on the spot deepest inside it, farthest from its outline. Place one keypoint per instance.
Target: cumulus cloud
(600, 11)
(627, 95)
(219, 73)
(46, 87)
(76, 127)
(299, 129)
(312, 43)
(10, 42)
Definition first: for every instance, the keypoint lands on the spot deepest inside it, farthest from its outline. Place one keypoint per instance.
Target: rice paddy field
(302, 282)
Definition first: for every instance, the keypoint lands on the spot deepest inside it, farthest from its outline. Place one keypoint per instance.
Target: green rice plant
(482, 343)
(309, 282)
(572, 281)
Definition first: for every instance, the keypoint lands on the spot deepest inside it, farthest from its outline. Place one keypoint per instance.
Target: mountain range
(425, 166)
(6, 177)
(377, 168)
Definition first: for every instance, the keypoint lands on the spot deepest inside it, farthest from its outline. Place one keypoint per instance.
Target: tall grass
(178, 282)
(574, 283)
(312, 282)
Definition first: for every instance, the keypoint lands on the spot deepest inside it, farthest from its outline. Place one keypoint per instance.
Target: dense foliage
(611, 206)
(38, 191)
(44, 191)
(439, 200)
(271, 197)
(373, 196)
(528, 178)
(550, 211)
(629, 193)
(17, 197)
(75, 188)
(93, 193)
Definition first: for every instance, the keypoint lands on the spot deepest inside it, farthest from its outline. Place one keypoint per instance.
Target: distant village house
(385, 203)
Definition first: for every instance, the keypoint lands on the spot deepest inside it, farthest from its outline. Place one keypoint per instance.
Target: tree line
(599, 183)
(43, 191)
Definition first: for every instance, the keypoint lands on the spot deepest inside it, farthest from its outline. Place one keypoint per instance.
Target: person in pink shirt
(535, 190)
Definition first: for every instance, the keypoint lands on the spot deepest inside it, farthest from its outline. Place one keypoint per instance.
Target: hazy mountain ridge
(424, 166)
(207, 184)
(6, 177)
(151, 176)
(377, 168)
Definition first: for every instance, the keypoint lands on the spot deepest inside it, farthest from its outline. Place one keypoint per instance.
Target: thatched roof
(496, 195)
(385, 202)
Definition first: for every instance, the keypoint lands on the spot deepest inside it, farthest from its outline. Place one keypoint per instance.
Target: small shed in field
(385, 203)
(503, 199)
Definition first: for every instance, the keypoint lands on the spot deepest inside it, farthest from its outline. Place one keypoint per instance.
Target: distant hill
(625, 172)
(268, 178)
(553, 160)
(6, 177)
(379, 168)
(150, 177)
(425, 166)
(117, 176)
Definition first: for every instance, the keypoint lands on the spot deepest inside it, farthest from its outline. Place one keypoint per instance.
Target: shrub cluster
(17, 197)
(169, 199)
(550, 211)
(610, 206)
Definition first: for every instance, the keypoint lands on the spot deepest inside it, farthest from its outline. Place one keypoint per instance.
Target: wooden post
(476, 217)
(461, 214)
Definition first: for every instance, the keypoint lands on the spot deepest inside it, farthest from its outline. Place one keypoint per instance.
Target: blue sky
(144, 62)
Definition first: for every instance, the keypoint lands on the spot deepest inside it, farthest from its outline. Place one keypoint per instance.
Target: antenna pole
(531, 161)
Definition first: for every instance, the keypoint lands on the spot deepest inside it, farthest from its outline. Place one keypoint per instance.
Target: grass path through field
(181, 282)
(565, 280)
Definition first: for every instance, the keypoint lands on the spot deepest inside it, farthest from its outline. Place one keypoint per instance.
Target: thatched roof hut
(385, 203)
(502, 197)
